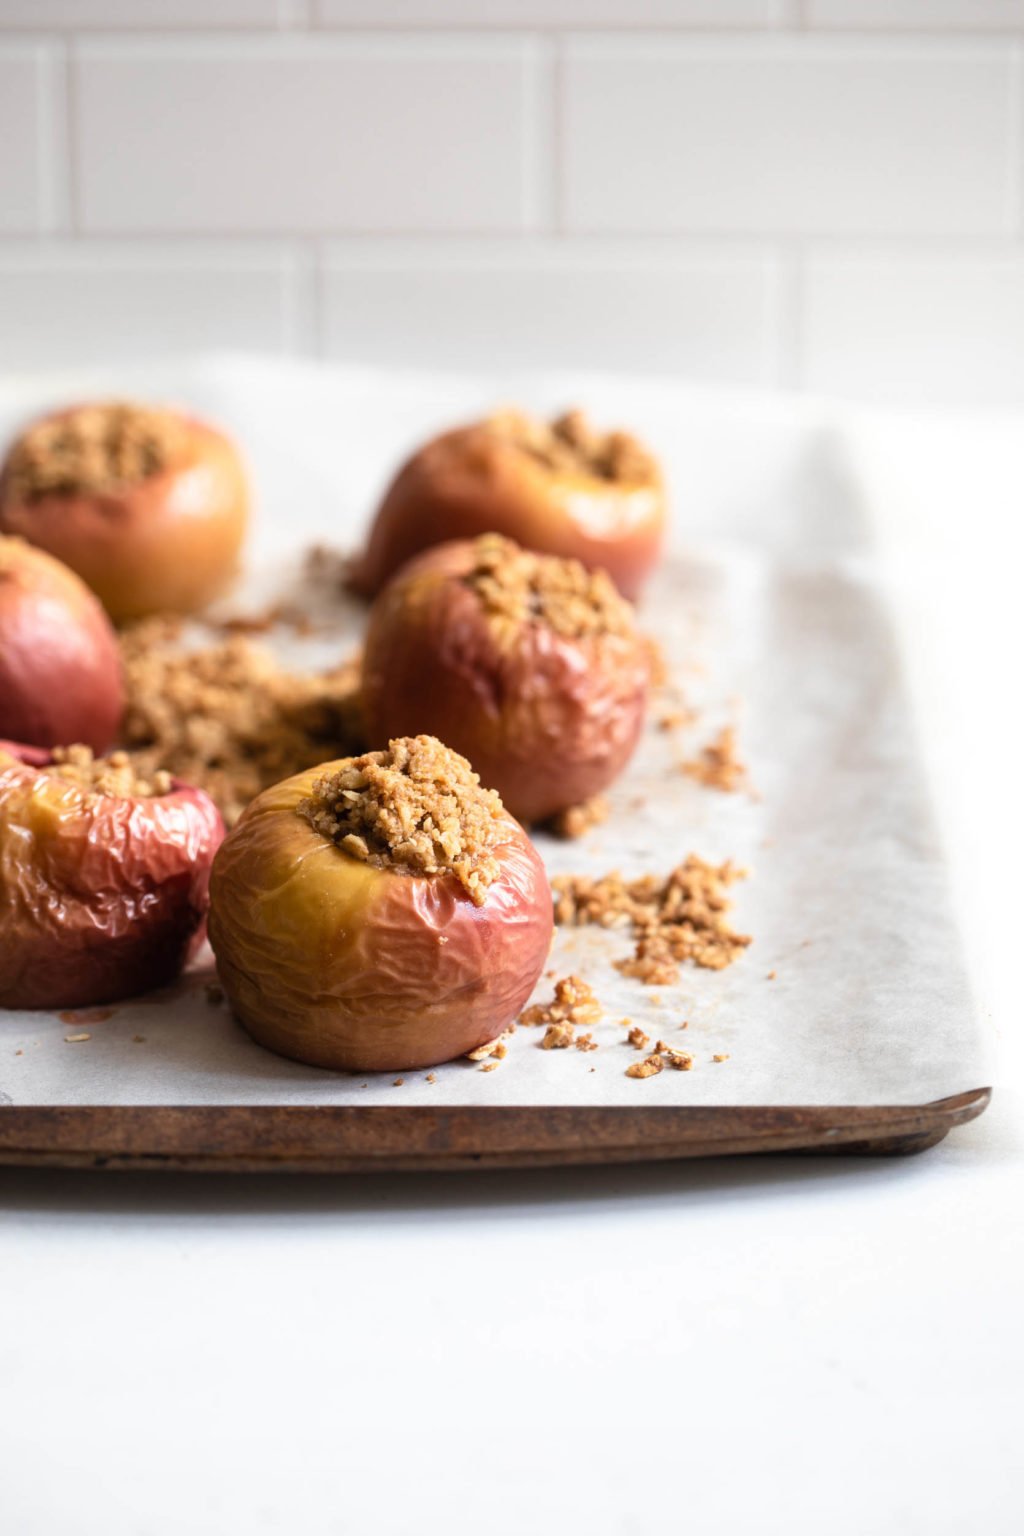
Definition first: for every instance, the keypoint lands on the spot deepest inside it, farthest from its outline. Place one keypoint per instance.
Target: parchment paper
(769, 613)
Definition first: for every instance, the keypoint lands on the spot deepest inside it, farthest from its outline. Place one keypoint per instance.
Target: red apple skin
(340, 965)
(101, 897)
(60, 668)
(166, 544)
(473, 480)
(546, 721)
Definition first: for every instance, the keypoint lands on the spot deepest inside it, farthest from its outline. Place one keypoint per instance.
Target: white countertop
(790, 1345)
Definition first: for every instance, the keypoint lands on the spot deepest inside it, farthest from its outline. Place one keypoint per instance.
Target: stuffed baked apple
(104, 877)
(381, 912)
(561, 488)
(149, 506)
(529, 665)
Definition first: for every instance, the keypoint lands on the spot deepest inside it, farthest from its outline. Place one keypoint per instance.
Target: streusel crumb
(568, 444)
(227, 717)
(577, 820)
(679, 918)
(516, 586)
(649, 1067)
(115, 775)
(719, 764)
(418, 808)
(573, 1003)
(93, 449)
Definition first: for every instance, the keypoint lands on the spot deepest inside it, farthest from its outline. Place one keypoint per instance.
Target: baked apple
(528, 664)
(60, 669)
(379, 913)
(104, 877)
(560, 488)
(149, 506)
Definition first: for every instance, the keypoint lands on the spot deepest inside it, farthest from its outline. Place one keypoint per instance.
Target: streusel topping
(517, 586)
(418, 808)
(93, 449)
(570, 445)
(228, 717)
(113, 775)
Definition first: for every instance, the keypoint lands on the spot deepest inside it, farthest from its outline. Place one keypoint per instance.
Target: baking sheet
(768, 609)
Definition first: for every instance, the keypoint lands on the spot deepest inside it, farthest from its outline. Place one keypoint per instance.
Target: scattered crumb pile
(496, 1047)
(227, 717)
(574, 1003)
(94, 448)
(683, 917)
(577, 820)
(719, 764)
(418, 807)
(570, 445)
(113, 775)
(517, 586)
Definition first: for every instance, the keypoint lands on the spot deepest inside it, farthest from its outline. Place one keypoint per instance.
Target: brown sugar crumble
(638, 1039)
(517, 586)
(578, 820)
(719, 765)
(227, 717)
(93, 449)
(649, 1067)
(682, 917)
(115, 775)
(573, 1003)
(585, 1043)
(568, 444)
(495, 1047)
(721, 1056)
(681, 1061)
(417, 807)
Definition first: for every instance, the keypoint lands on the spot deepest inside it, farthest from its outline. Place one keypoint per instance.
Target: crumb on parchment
(649, 1067)
(718, 764)
(673, 919)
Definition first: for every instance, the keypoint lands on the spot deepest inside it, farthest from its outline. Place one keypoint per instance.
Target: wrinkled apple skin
(60, 668)
(340, 965)
(472, 481)
(100, 897)
(546, 721)
(166, 544)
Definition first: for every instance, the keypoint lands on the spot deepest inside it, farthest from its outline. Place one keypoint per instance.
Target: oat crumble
(568, 444)
(682, 1061)
(573, 1003)
(649, 1067)
(719, 765)
(92, 450)
(227, 717)
(116, 775)
(517, 586)
(682, 917)
(417, 807)
(577, 820)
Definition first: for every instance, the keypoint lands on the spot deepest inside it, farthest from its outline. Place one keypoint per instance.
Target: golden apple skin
(166, 544)
(60, 668)
(338, 964)
(101, 897)
(473, 480)
(545, 720)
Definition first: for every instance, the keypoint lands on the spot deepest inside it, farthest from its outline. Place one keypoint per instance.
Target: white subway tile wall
(815, 194)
